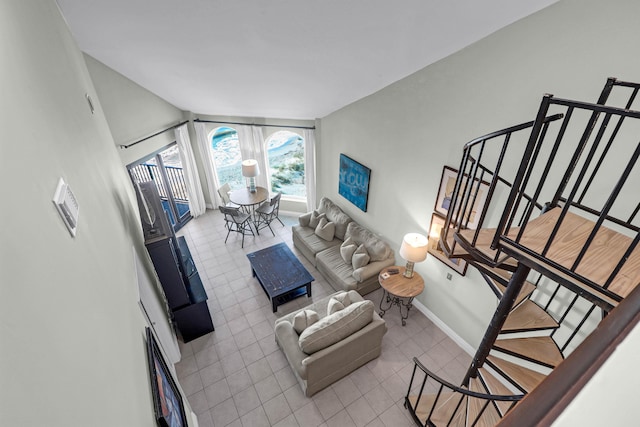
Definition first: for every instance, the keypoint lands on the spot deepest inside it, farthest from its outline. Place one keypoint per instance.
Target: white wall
(616, 382)
(72, 350)
(132, 112)
(406, 132)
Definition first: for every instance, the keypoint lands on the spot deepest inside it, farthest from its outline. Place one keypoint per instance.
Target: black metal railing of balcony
(448, 403)
(175, 176)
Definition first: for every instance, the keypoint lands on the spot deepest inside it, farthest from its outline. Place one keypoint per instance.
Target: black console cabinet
(176, 270)
(182, 285)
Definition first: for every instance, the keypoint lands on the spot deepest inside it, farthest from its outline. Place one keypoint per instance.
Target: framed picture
(167, 402)
(353, 183)
(445, 196)
(457, 264)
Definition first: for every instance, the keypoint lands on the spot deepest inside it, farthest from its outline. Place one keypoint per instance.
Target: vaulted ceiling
(296, 59)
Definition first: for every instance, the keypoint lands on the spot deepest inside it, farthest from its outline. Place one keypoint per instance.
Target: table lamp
(250, 170)
(413, 249)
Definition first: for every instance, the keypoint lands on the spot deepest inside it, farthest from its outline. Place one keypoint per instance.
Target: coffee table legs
(389, 300)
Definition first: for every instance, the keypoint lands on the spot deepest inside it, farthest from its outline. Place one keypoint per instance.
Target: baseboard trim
(444, 327)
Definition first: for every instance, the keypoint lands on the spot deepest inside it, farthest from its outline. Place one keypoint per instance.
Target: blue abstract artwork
(353, 184)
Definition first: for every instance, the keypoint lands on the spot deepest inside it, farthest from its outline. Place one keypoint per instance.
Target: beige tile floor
(237, 375)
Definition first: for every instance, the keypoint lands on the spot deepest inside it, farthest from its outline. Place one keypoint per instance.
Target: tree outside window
(285, 154)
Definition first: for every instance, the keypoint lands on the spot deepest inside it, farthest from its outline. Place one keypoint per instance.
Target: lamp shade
(414, 247)
(250, 168)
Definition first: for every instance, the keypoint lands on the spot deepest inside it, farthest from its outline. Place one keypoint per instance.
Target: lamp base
(252, 185)
(408, 272)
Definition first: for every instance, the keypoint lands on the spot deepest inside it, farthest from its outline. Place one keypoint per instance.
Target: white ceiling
(296, 59)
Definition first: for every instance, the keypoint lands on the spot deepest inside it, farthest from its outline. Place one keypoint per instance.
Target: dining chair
(237, 221)
(267, 212)
(223, 191)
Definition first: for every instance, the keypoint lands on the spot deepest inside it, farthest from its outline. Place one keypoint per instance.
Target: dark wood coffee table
(280, 274)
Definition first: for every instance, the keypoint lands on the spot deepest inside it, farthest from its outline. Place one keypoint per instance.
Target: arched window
(226, 157)
(285, 154)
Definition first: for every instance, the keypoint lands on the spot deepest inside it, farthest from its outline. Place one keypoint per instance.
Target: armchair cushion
(335, 327)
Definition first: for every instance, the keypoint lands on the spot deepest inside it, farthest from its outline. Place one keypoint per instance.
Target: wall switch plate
(67, 206)
(449, 276)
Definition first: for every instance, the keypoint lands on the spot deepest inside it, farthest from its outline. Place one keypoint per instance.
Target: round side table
(396, 288)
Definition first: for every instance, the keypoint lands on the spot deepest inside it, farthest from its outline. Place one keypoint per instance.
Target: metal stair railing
(444, 389)
(581, 186)
(482, 163)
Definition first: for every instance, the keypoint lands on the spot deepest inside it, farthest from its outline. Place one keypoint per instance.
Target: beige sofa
(329, 255)
(335, 345)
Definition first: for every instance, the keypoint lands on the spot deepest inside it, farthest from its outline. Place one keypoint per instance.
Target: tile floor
(237, 375)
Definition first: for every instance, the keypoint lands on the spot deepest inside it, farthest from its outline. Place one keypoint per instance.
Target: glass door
(164, 168)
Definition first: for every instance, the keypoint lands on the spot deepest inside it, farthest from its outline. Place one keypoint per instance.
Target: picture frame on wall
(457, 264)
(167, 401)
(353, 182)
(445, 196)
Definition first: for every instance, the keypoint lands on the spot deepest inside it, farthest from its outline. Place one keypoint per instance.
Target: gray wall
(72, 333)
(406, 132)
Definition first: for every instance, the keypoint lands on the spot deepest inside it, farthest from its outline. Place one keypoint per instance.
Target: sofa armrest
(288, 340)
(372, 269)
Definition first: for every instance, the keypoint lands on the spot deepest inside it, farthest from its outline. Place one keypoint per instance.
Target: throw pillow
(334, 306)
(347, 248)
(304, 319)
(304, 219)
(360, 258)
(315, 218)
(343, 297)
(325, 229)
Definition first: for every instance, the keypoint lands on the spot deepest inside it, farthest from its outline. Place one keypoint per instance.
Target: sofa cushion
(315, 218)
(335, 215)
(377, 248)
(360, 257)
(311, 241)
(336, 327)
(347, 248)
(304, 319)
(325, 229)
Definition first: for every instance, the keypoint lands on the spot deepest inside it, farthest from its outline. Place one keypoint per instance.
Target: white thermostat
(67, 206)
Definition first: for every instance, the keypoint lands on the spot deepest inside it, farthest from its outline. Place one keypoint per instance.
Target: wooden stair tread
(482, 245)
(523, 378)
(528, 316)
(490, 416)
(601, 258)
(441, 415)
(525, 292)
(537, 349)
(496, 387)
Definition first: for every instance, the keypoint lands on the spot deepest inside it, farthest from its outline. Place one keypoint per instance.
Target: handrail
(547, 401)
(489, 398)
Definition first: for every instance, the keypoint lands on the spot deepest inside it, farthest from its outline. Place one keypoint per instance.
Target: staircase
(557, 243)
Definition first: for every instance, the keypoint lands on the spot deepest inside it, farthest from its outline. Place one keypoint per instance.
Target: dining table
(248, 200)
